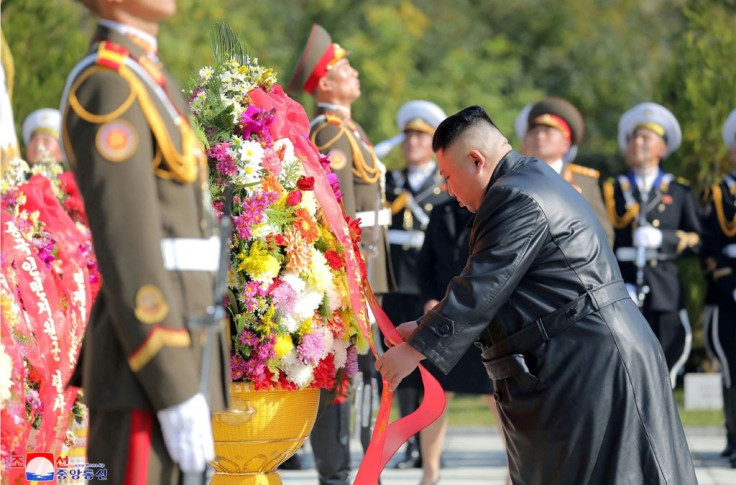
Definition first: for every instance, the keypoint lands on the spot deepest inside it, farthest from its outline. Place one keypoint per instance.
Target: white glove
(187, 433)
(648, 237)
(632, 292)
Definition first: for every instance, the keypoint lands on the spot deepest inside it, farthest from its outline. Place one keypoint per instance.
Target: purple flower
(224, 163)
(237, 367)
(45, 247)
(256, 121)
(351, 363)
(249, 338)
(312, 347)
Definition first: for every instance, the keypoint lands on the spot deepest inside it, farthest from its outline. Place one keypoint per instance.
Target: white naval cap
(419, 115)
(654, 117)
(47, 120)
(729, 130)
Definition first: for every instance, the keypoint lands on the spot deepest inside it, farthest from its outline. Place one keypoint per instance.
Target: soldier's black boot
(730, 447)
(729, 409)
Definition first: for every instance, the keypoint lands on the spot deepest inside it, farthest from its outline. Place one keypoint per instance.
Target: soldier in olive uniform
(142, 174)
(552, 130)
(324, 71)
(719, 253)
(648, 245)
(412, 193)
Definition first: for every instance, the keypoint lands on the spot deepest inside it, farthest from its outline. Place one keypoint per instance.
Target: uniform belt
(505, 359)
(368, 218)
(729, 251)
(412, 239)
(189, 254)
(628, 255)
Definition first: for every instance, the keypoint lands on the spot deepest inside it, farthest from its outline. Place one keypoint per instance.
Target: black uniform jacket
(671, 208)
(411, 211)
(719, 240)
(581, 381)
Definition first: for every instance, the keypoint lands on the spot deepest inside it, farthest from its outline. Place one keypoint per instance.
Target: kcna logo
(40, 467)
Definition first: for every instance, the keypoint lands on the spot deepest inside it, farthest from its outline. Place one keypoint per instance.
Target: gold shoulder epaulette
(586, 171)
(317, 129)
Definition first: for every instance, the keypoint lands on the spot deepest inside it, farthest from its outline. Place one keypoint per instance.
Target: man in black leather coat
(581, 381)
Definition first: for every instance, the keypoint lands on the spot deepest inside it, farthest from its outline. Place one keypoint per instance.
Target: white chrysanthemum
(340, 352)
(333, 298)
(296, 371)
(290, 323)
(307, 302)
(320, 276)
(309, 202)
(293, 280)
(206, 73)
(6, 375)
(329, 341)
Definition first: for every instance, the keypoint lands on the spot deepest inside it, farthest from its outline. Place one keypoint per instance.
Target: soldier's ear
(324, 85)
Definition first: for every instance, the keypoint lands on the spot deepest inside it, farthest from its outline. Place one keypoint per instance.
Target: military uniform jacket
(140, 170)
(585, 180)
(410, 211)
(671, 209)
(360, 174)
(589, 404)
(719, 239)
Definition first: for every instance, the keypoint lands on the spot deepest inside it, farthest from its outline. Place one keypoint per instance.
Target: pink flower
(294, 197)
(312, 347)
(284, 297)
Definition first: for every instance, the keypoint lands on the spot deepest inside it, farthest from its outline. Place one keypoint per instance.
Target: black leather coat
(582, 385)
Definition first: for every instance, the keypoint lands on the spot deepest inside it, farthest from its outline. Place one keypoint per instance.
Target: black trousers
(673, 332)
(330, 440)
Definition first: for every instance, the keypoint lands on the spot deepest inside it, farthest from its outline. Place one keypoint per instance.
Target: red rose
(305, 183)
(294, 197)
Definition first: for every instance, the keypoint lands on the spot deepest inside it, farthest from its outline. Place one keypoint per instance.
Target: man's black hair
(453, 126)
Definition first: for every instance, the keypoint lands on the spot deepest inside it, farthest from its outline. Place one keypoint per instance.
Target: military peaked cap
(319, 55)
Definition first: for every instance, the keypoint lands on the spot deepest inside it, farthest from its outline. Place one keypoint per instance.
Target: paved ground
(475, 456)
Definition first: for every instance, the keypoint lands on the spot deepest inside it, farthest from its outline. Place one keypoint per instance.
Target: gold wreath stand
(259, 432)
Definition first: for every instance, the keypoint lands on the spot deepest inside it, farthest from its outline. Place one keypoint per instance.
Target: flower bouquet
(296, 304)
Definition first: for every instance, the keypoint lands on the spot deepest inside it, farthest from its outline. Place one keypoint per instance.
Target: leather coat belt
(505, 358)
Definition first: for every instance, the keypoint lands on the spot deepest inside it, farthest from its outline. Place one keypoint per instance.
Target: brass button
(428, 207)
(655, 222)
(653, 263)
(661, 207)
(437, 191)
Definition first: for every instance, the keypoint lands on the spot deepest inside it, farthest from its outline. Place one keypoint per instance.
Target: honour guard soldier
(142, 173)
(649, 241)
(552, 130)
(324, 71)
(41, 136)
(412, 192)
(719, 253)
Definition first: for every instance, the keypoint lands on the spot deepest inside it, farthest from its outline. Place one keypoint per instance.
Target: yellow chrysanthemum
(259, 264)
(305, 326)
(283, 345)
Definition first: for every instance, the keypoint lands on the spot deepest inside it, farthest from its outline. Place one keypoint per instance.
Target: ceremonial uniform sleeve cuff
(433, 337)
